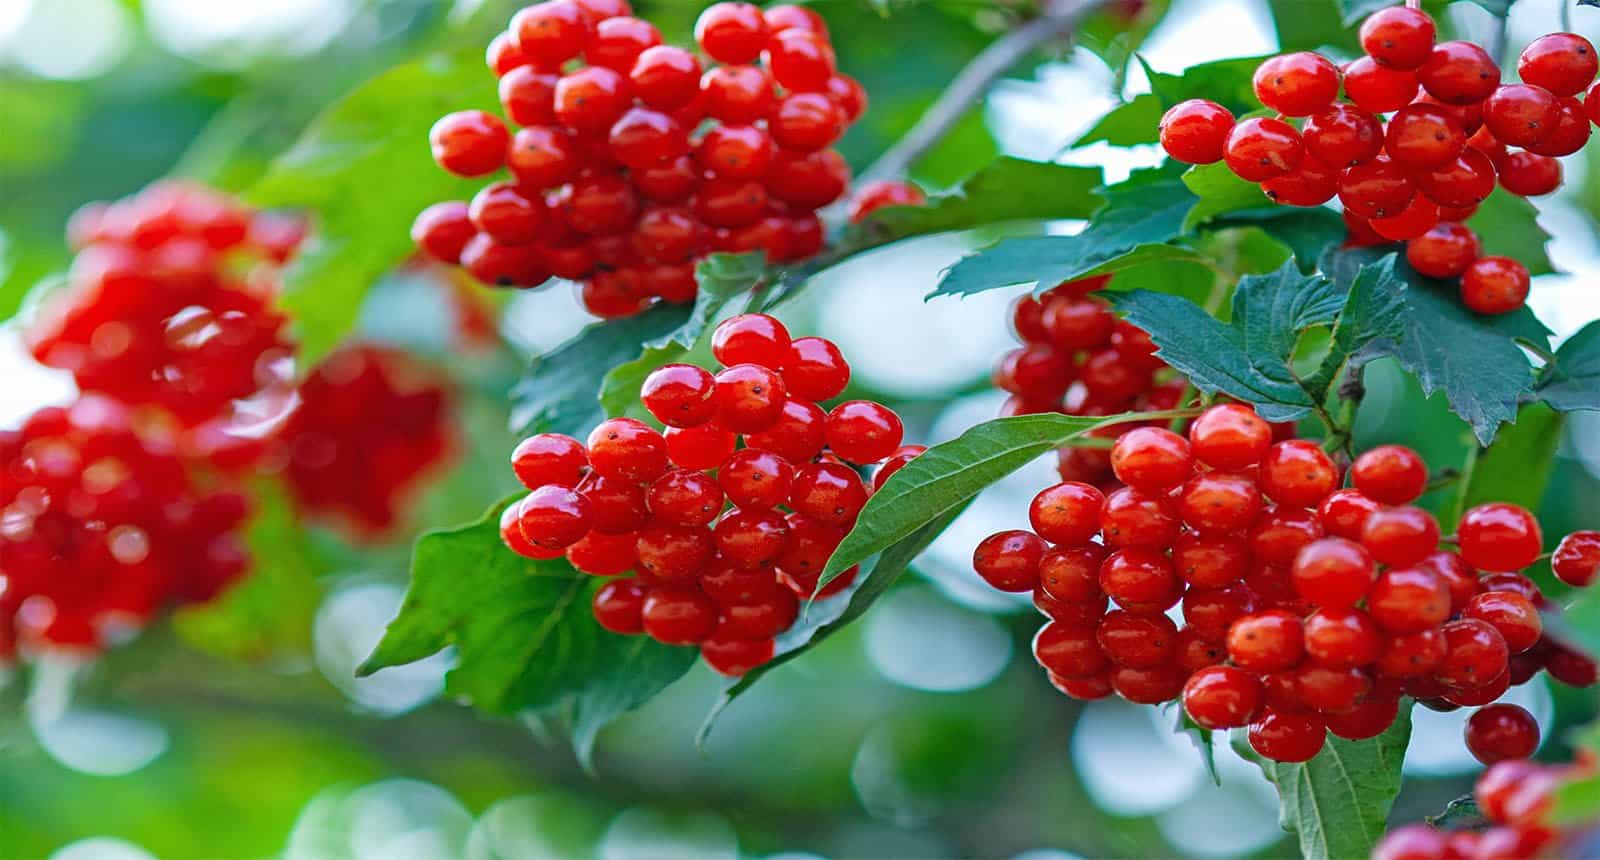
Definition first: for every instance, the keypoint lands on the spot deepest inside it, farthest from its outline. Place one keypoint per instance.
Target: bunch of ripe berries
(725, 579)
(635, 159)
(1453, 128)
(1307, 606)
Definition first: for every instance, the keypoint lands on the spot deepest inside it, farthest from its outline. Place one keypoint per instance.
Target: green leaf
(1008, 189)
(1306, 25)
(1112, 36)
(1459, 814)
(1516, 468)
(1308, 232)
(1250, 357)
(1578, 801)
(558, 394)
(1337, 802)
(1508, 225)
(1573, 381)
(1355, 10)
(1227, 82)
(1139, 218)
(1220, 191)
(1201, 738)
(363, 169)
(1473, 359)
(525, 637)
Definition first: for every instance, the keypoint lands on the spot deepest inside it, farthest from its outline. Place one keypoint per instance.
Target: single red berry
(1366, 720)
(1342, 638)
(810, 544)
(1569, 134)
(1500, 732)
(724, 201)
(1287, 736)
(554, 516)
(1132, 518)
(829, 492)
(731, 32)
(1399, 37)
(1444, 251)
(643, 137)
(1342, 135)
(442, 230)
(1212, 561)
(1009, 560)
(1072, 573)
(862, 432)
(752, 538)
(1376, 88)
(627, 450)
(1409, 600)
(618, 42)
(1459, 73)
(1297, 84)
(736, 151)
(1577, 558)
(1229, 436)
(1344, 513)
(1563, 63)
(551, 32)
(1067, 513)
(788, 16)
(1379, 188)
(684, 497)
(1219, 503)
(665, 77)
(1528, 174)
(678, 616)
(1465, 182)
(1520, 114)
(1281, 532)
(1222, 697)
(1151, 458)
(1069, 652)
(549, 458)
(814, 369)
(1152, 686)
(619, 606)
(528, 96)
(749, 397)
(619, 505)
(1495, 285)
(1313, 183)
(1424, 136)
(541, 157)
(736, 657)
(797, 436)
(500, 265)
(1298, 473)
(680, 395)
(1391, 474)
(503, 56)
(883, 193)
(1409, 655)
(1513, 615)
(675, 554)
(600, 203)
(602, 554)
(898, 460)
(1333, 573)
(469, 142)
(1138, 641)
(1140, 580)
(1196, 131)
(800, 61)
(1499, 537)
(503, 212)
(701, 447)
(590, 99)
(756, 480)
(1419, 216)
(1261, 148)
(805, 122)
(808, 180)
(737, 94)
(1475, 653)
(1329, 690)
(511, 535)
(1401, 536)
(752, 339)
(1499, 784)
(1269, 641)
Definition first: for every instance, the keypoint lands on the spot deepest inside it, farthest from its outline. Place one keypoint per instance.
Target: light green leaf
(1515, 468)
(1227, 82)
(1508, 225)
(1008, 189)
(1573, 382)
(1220, 191)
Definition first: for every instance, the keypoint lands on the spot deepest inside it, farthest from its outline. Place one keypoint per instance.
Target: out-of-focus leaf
(1515, 468)
(1461, 813)
(1473, 359)
(1140, 217)
(1337, 802)
(1508, 225)
(1227, 82)
(525, 636)
(1249, 357)
(1574, 381)
(1113, 35)
(1306, 25)
(1355, 10)
(1201, 738)
(1009, 189)
(363, 171)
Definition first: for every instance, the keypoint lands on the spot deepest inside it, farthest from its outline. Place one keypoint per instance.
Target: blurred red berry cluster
(1452, 130)
(726, 579)
(634, 158)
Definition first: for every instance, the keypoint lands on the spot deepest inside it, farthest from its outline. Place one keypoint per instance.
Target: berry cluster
(1453, 128)
(370, 425)
(727, 579)
(1307, 606)
(101, 527)
(635, 158)
(1517, 797)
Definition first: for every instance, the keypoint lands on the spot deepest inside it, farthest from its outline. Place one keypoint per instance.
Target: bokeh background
(925, 731)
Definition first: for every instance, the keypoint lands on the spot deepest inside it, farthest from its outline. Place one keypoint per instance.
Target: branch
(1058, 20)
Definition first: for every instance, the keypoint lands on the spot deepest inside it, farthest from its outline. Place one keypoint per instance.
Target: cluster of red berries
(633, 160)
(727, 579)
(1453, 128)
(1516, 796)
(102, 525)
(1307, 607)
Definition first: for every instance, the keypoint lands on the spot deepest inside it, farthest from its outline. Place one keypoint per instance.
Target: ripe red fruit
(1298, 473)
(678, 616)
(1366, 720)
(800, 61)
(1135, 518)
(1577, 558)
(1210, 562)
(1520, 114)
(684, 497)
(1140, 580)
(617, 43)
(469, 143)
(442, 230)
(737, 94)
(749, 397)
(1222, 697)
(627, 450)
(1342, 638)
(863, 432)
(1151, 458)
(619, 606)
(1500, 732)
(736, 657)
(829, 492)
(1219, 503)
(1378, 89)
(619, 505)
(883, 193)
(1281, 533)
(1499, 537)
(1391, 474)
(752, 539)
(1398, 37)
(1297, 84)
(1333, 573)
(1424, 136)
(1261, 148)
(511, 535)
(1563, 63)
(590, 99)
(755, 479)
(1137, 641)
(1068, 651)
(1401, 536)
(1529, 174)
(751, 339)
(1269, 641)
(1495, 285)
(1465, 182)
(815, 369)
(1313, 183)
(549, 458)
(552, 32)
(1229, 436)
(1067, 513)
(1410, 655)
(1286, 736)
(528, 96)
(602, 554)
(1379, 188)
(1419, 216)
(1344, 513)
(1459, 73)
(702, 447)
(1444, 251)
(643, 137)
(1009, 560)
(1475, 653)
(1409, 600)
(671, 553)
(503, 56)
(554, 517)
(1329, 690)
(665, 77)
(1196, 131)
(731, 32)
(1513, 615)
(805, 122)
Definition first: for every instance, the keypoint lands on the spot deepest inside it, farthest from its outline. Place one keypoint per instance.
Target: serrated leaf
(1140, 217)
(1308, 232)
(1473, 359)
(525, 637)
(1508, 225)
(1008, 189)
(1337, 802)
(559, 392)
(1573, 381)
(1516, 468)
(363, 170)
(1250, 357)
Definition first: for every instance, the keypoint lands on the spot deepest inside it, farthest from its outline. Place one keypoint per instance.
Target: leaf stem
(1058, 19)
(1445, 478)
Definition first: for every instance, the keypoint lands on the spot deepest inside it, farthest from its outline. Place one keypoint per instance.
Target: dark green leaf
(1306, 25)
(1009, 189)
(525, 637)
(1574, 381)
(1308, 233)
(1337, 802)
(1220, 191)
(1139, 218)
(1227, 82)
(364, 171)
(1515, 468)
(1473, 359)
(1508, 225)
(1128, 125)
(559, 392)
(1249, 357)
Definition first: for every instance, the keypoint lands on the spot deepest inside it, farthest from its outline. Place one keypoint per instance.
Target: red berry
(752, 538)
(1262, 148)
(731, 32)
(528, 96)
(1378, 188)
(751, 339)
(554, 516)
(810, 544)
(618, 42)
(1412, 842)
(1499, 537)
(736, 657)
(1419, 216)
(1528, 174)
(1132, 518)
(1444, 251)
(602, 554)
(1298, 473)
(1297, 84)
(1333, 573)
(665, 77)
(1563, 63)
(1379, 89)
(500, 265)
(1344, 513)
(1401, 536)
(1222, 697)
(737, 94)
(1500, 732)
(1072, 573)
(1494, 285)
(1151, 458)
(897, 461)
(1342, 638)
(1459, 73)
(1366, 720)
(1342, 135)
(814, 369)
(1212, 561)
(684, 497)
(679, 395)
(756, 480)
(643, 137)
(800, 60)
(1311, 184)
(883, 193)
(1288, 736)
(1513, 615)
(1409, 600)
(1140, 580)
(1399, 37)
(1475, 653)
(619, 606)
(1465, 182)
(829, 492)
(504, 213)
(678, 616)
(1068, 514)
(702, 447)
(1520, 114)
(1423, 136)
(469, 142)
(1069, 652)
(1269, 641)
(749, 397)
(1577, 558)
(551, 32)
(1280, 534)
(1329, 690)
(1196, 131)
(442, 230)
(1391, 474)
(549, 458)
(503, 56)
(627, 450)
(791, 17)
(862, 432)
(590, 99)
(1229, 436)
(511, 535)
(1411, 655)
(1009, 560)
(542, 157)
(1137, 641)
(797, 436)
(805, 122)
(1151, 686)
(737, 151)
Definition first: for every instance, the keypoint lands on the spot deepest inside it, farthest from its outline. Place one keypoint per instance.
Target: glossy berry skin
(828, 492)
(1140, 580)
(749, 397)
(1222, 697)
(1069, 652)
(805, 122)
(1391, 474)
(1398, 37)
(469, 143)
(1495, 285)
(752, 539)
(1520, 114)
(1286, 736)
(731, 32)
(678, 616)
(680, 395)
(1333, 573)
(1151, 458)
(1401, 536)
(800, 61)
(1297, 84)
(1378, 89)
(1298, 473)
(684, 497)
(1459, 73)
(863, 432)
(554, 517)
(1229, 437)
(701, 447)
(528, 96)
(751, 339)
(883, 193)
(1269, 641)
(619, 607)
(619, 506)
(1410, 655)
(665, 77)
(1196, 131)
(1262, 148)
(1219, 503)
(815, 369)
(1344, 513)
(756, 480)
(1500, 732)
(627, 450)
(1342, 638)
(618, 42)
(1444, 251)
(737, 94)
(1570, 132)
(1132, 518)
(1563, 63)
(738, 151)
(736, 657)
(1465, 182)
(1408, 600)
(1137, 640)
(797, 436)
(591, 99)
(512, 536)
(643, 137)
(602, 554)
(552, 32)
(1424, 136)
(1475, 653)
(1379, 188)
(1529, 174)
(1009, 560)
(1071, 574)
(1513, 615)
(1577, 558)
(1499, 537)
(1067, 513)
(1342, 135)
(1366, 720)
(549, 458)
(1281, 532)
(442, 231)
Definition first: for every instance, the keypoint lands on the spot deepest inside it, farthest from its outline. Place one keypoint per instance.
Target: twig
(1058, 19)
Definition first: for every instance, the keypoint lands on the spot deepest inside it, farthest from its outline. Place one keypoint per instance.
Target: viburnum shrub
(1453, 129)
(1307, 606)
(634, 158)
(726, 520)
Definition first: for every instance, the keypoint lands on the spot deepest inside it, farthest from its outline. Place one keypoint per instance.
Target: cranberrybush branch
(1058, 19)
